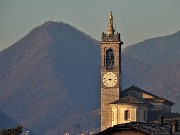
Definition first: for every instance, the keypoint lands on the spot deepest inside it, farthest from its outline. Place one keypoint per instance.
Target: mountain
(6, 121)
(154, 65)
(48, 77)
(157, 50)
(162, 80)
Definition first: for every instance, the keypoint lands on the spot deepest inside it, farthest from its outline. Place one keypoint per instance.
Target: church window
(110, 58)
(127, 115)
(144, 115)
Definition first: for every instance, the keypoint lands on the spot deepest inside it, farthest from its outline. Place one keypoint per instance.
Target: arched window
(127, 115)
(109, 58)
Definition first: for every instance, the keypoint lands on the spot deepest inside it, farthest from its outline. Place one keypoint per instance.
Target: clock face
(110, 79)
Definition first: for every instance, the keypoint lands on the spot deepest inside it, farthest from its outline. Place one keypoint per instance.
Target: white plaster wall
(122, 109)
(137, 114)
(115, 112)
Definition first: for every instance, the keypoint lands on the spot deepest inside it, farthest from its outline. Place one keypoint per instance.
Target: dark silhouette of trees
(12, 131)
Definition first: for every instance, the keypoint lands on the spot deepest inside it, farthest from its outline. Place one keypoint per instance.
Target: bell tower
(110, 72)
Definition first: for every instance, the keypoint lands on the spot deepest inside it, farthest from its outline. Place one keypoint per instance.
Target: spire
(110, 30)
(111, 35)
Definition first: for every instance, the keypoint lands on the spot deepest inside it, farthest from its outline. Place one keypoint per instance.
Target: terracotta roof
(139, 90)
(130, 99)
(146, 128)
(155, 99)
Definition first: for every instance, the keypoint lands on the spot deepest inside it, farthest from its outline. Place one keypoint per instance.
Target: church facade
(132, 104)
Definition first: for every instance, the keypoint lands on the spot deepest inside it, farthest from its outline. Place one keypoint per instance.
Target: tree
(12, 131)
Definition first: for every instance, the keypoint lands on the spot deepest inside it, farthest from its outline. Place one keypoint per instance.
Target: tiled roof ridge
(149, 127)
(133, 87)
(131, 96)
(130, 99)
(145, 128)
(139, 89)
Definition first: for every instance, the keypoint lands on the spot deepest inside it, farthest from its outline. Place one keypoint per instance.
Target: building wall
(160, 107)
(119, 111)
(143, 113)
(109, 94)
(121, 114)
(114, 119)
(136, 114)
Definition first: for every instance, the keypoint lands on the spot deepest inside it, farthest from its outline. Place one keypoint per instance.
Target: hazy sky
(136, 20)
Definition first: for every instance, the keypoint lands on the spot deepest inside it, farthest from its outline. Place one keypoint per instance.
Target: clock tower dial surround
(110, 72)
(110, 79)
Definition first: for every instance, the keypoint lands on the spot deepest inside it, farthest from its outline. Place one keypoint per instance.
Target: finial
(110, 29)
(110, 19)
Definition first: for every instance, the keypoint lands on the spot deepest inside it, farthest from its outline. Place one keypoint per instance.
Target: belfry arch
(109, 57)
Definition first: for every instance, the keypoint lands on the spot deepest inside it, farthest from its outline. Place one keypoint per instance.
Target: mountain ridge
(156, 50)
(50, 79)
(33, 85)
(159, 73)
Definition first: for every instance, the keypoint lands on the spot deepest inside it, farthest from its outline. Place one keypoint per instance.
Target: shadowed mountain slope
(50, 79)
(48, 76)
(6, 121)
(158, 50)
(162, 79)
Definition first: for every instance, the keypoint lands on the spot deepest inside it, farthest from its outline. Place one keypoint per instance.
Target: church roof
(145, 128)
(139, 90)
(130, 99)
(155, 99)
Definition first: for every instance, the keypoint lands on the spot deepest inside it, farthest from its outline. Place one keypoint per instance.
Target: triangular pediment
(139, 92)
(135, 91)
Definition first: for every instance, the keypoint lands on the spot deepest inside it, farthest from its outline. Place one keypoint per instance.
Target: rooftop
(155, 99)
(130, 99)
(145, 128)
